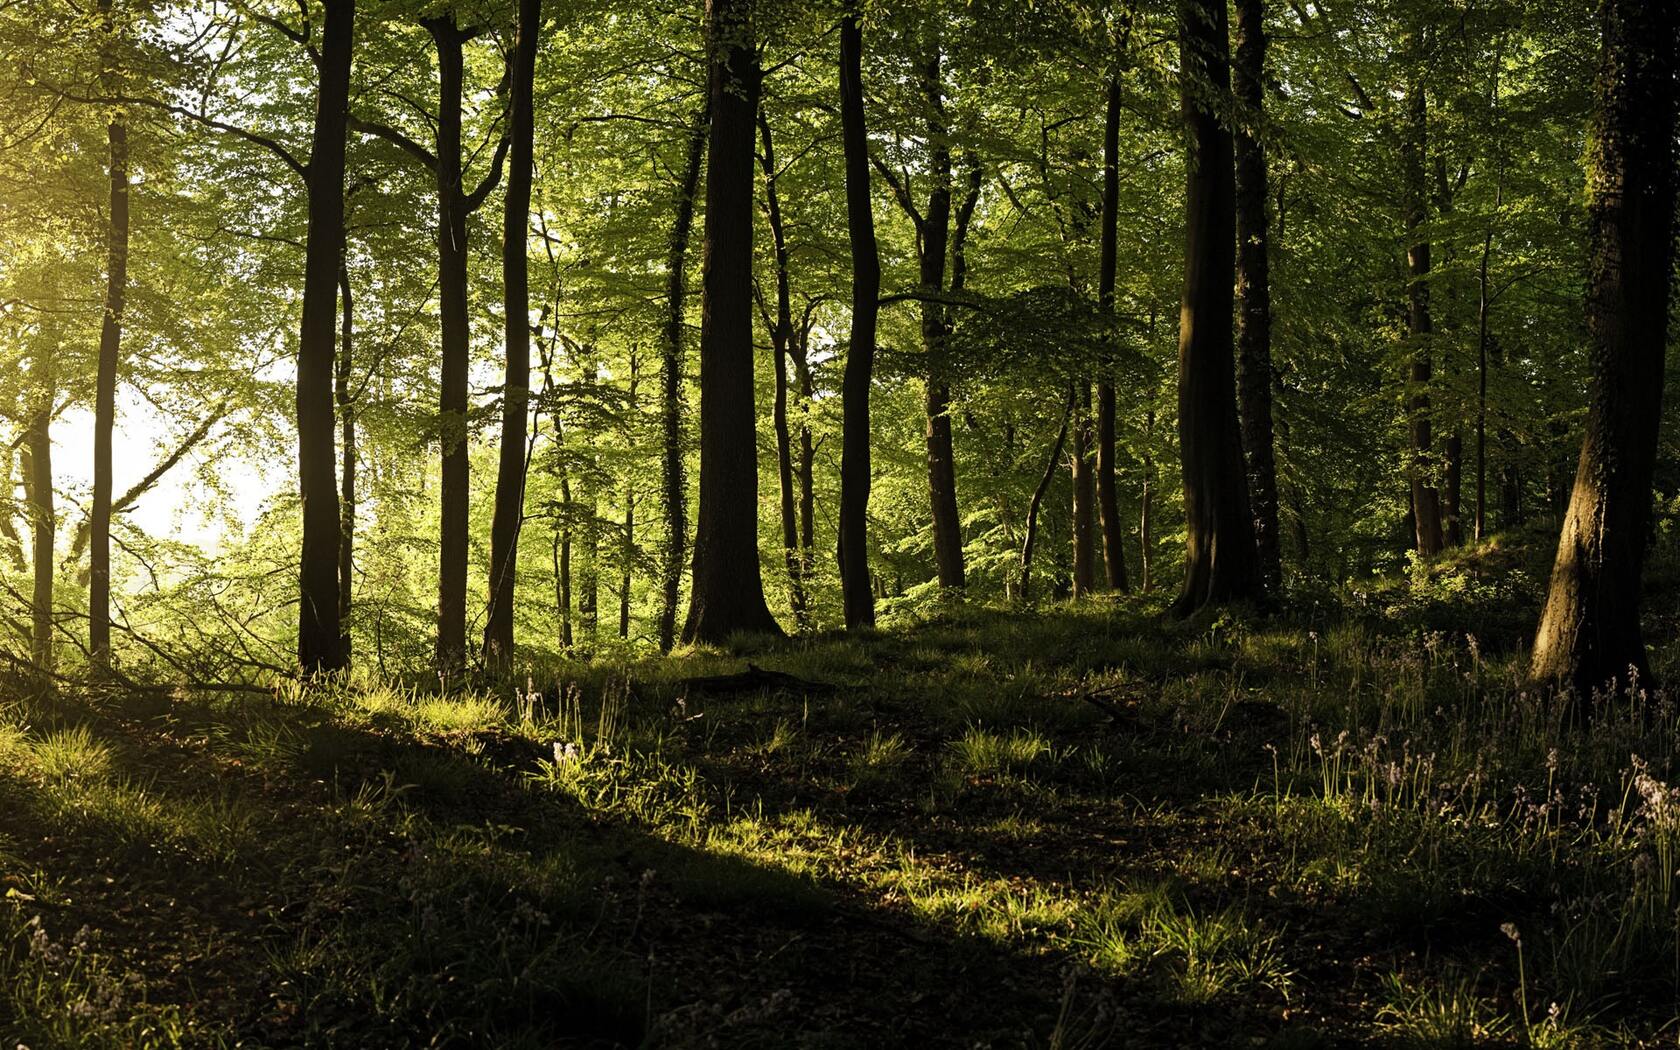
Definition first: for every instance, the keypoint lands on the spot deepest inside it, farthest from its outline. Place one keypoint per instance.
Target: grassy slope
(1294, 835)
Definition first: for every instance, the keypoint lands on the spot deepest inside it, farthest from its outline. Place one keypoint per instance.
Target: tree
(782, 339)
(1254, 315)
(728, 591)
(320, 645)
(455, 205)
(105, 385)
(856, 592)
(674, 484)
(516, 311)
(1108, 503)
(1426, 497)
(1589, 633)
(1220, 557)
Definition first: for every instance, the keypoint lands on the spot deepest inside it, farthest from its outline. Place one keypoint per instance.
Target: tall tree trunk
(1589, 632)
(509, 514)
(855, 585)
(347, 453)
(43, 517)
(1108, 500)
(1254, 316)
(1426, 498)
(1049, 475)
(673, 483)
(807, 453)
(1220, 563)
(627, 553)
(935, 241)
(452, 316)
(728, 592)
(781, 337)
(320, 639)
(1084, 494)
(105, 389)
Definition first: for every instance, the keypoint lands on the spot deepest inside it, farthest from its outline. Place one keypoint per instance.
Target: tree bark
(781, 338)
(1589, 634)
(856, 594)
(1049, 475)
(1084, 494)
(1220, 556)
(509, 514)
(43, 517)
(936, 329)
(1426, 497)
(455, 332)
(1108, 500)
(728, 592)
(105, 389)
(1254, 316)
(320, 639)
(347, 453)
(673, 482)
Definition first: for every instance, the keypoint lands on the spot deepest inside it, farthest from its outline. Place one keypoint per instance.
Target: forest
(1055, 524)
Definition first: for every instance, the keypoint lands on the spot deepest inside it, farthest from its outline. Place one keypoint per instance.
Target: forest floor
(1082, 827)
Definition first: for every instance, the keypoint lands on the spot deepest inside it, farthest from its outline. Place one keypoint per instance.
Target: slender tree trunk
(1589, 633)
(1426, 498)
(935, 242)
(781, 336)
(1452, 489)
(1043, 489)
(855, 585)
(728, 592)
(1084, 494)
(43, 517)
(1254, 317)
(627, 553)
(674, 483)
(105, 390)
(509, 514)
(1108, 500)
(320, 637)
(347, 453)
(452, 315)
(807, 455)
(1220, 557)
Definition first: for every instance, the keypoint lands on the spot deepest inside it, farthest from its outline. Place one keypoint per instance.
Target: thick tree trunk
(1050, 465)
(1220, 557)
(1254, 316)
(105, 392)
(347, 454)
(856, 594)
(452, 316)
(728, 592)
(1589, 633)
(509, 514)
(674, 484)
(1084, 495)
(1426, 498)
(320, 639)
(781, 338)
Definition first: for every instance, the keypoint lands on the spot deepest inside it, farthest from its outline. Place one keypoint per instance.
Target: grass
(1348, 829)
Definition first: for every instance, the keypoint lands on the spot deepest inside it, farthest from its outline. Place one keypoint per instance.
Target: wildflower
(1509, 929)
